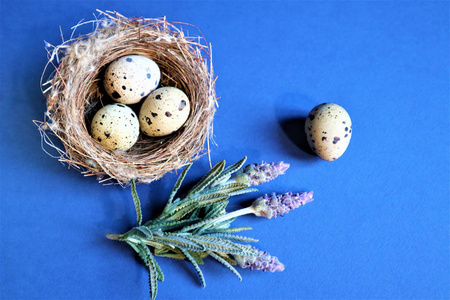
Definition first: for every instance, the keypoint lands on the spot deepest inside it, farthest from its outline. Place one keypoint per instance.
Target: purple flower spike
(262, 262)
(274, 205)
(255, 174)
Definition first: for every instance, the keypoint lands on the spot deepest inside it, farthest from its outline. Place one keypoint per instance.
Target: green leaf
(208, 220)
(209, 199)
(240, 192)
(154, 270)
(228, 243)
(226, 257)
(232, 237)
(198, 259)
(226, 174)
(137, 202)
(208, 178)
(216, 210)
(211, 209)
(195, 214)
(178, 183)
(204, 226)
(185, 203)
(159, 273)
(188, 206)
(147, 233)
(226, 264)
(196, 267)
(230, 188)
(224, 223)
(205, 221)
(166, 225)
(179, 242)
(219, 245)
(153, 277)
(184, 211)
(208, 208)
(229, 230)
(135, 248)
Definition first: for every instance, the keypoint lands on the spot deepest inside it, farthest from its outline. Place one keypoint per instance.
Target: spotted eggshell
(115, 126)
(130, 78)
(328, 129)
(164, 111)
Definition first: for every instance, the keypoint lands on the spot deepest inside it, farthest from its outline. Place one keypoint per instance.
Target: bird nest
(74, 92)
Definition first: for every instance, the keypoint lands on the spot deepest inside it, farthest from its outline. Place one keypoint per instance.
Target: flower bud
(277, 205)
(262, 262)
(255, 174)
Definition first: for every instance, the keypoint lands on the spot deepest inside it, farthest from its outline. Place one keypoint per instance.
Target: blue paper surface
(379, 225)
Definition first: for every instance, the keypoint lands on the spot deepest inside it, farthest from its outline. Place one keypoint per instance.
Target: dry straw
(74, 93)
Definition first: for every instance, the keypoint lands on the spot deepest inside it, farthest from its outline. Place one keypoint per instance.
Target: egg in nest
(164, 111)
(130, 78)
(116, 127)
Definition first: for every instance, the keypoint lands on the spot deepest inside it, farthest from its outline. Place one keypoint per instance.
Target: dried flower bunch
(197, 225)
(74, 92)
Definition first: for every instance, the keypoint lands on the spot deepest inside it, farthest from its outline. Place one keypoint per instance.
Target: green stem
(234, 214)
(216, 220)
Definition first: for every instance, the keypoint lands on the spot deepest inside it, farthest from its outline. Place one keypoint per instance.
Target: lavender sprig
(270, 206)
(256, 174)
(262, 262)
(197, 225)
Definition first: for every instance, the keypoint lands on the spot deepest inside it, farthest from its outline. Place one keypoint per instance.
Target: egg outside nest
(328, 129)
(73, 91)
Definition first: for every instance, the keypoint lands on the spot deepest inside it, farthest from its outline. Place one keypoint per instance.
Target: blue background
(379, 225)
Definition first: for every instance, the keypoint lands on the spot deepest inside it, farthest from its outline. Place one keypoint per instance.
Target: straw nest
(74, 93)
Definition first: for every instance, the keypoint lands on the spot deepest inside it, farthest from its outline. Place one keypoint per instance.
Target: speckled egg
(130, 78)
(329, 129)
(164, 111)
(116, 127)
